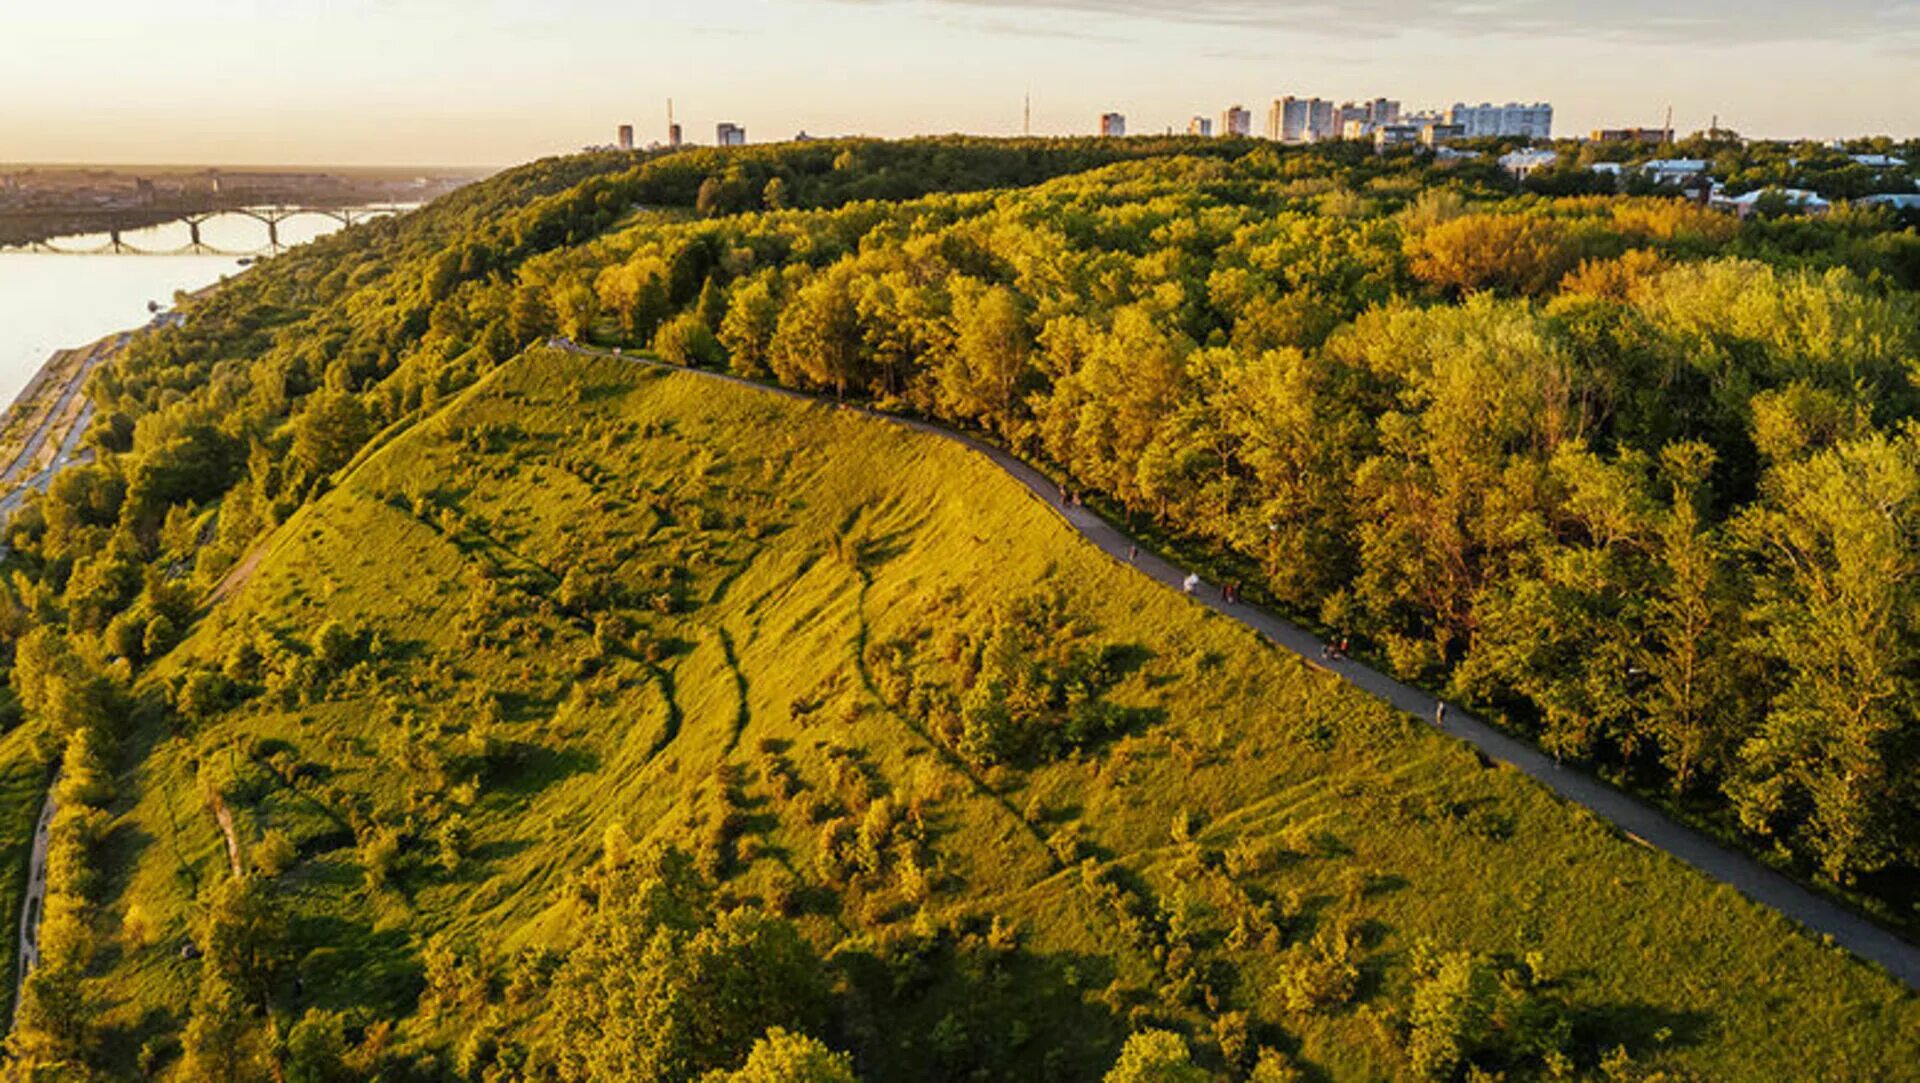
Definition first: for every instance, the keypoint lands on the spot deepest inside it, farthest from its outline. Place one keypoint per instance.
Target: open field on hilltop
(586, 597)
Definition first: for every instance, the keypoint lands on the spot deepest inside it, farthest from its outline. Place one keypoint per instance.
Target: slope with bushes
(948, 790)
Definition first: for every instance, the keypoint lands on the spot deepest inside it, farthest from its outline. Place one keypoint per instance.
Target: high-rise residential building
(1287, 119)
(1200, 126)
(1512, 119)
(1320, 123)
(1383, 111)
(1351, 113)
(730, 135)
(1304, 120)
(1236, 121)
(1113, 124)
(626, 137)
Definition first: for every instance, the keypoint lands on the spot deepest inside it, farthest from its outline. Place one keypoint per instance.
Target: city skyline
(433, 83)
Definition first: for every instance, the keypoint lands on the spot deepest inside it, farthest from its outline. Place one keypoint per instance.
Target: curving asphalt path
(33, 907)
(1638, 820)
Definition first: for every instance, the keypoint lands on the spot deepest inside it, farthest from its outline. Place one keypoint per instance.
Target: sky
(493, 82)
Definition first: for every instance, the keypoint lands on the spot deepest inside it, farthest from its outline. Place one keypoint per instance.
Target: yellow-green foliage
(589, 606)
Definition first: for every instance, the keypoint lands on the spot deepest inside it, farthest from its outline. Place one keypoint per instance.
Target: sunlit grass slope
(586, 586)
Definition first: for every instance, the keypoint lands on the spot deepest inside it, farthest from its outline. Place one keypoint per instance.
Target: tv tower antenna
(1026, 115)
(1669, 123)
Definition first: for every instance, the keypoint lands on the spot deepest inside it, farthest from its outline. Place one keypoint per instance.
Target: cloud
(1892, 24)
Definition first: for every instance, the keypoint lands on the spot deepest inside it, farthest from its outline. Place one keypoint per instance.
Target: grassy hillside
(1021, 800)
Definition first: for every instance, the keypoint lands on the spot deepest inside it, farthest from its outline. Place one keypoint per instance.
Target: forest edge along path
(1636, 819)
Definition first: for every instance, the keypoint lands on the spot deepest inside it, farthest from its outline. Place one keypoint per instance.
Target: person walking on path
(1133, 552)
(1191, 583)
(1440, 715)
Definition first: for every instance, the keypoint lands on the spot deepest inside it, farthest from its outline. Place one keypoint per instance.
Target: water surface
(53, 302)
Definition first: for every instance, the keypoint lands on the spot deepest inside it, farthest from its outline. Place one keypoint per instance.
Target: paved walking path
(33, 907)
(1641, 821)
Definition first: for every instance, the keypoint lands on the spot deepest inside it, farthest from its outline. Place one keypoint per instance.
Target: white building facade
(1513, 119)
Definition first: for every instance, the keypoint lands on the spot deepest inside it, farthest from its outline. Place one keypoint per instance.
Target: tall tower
(673, 130)
(1026, 115)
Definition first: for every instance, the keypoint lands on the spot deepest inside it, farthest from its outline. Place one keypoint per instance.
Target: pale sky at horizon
(492, 82)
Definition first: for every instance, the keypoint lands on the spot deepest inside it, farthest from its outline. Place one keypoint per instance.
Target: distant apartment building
(1510, 120)
(1388, 136)
(1200, 126)
(1236, 121)
(1287, 119)
(730, 135)
(673, 135)
(1346, 113)
(1113, 124)
(1649, 136)
(1320, 123)
(625, 140)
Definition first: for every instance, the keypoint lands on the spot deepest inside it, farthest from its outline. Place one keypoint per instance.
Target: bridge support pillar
(193, 231)
(273, 234)
(113, 239)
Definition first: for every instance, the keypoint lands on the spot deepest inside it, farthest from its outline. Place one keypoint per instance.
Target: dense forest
(1639, 479)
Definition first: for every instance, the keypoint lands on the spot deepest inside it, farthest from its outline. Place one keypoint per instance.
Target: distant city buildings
(1200, 126)
(625, 139)
(1113, 125)
(730, 135)
(1510, 120)
(1312, 120)
(1236, 121)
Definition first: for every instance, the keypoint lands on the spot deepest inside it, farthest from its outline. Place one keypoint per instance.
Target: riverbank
(41, 431)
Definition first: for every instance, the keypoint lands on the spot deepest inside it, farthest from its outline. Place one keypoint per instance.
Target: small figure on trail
(1326, 651)
(1341, 650)
(1191, 583)
(1440, 715)
(1133, 552)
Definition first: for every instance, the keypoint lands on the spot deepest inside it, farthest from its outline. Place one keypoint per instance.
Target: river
(50, 302)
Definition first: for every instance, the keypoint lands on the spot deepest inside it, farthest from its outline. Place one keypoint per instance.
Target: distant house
(1797, 198)
(1675, 170)
(1899, 201)
(1523, 163)
(1878, 161)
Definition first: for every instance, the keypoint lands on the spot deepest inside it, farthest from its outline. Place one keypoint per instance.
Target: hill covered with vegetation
(436, 707)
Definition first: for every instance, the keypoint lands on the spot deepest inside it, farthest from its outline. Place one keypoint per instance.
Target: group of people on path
(1229, 592)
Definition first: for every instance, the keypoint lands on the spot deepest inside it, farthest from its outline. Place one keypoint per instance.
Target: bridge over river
(157, 235)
